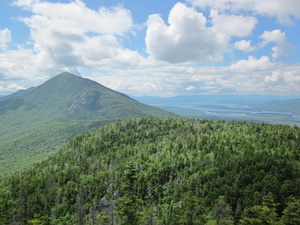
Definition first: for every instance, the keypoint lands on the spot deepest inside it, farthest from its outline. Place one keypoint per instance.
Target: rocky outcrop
(90, 100)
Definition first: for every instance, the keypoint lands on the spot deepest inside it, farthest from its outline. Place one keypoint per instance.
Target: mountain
(290, 106)
(251, 108)
(19, 93)
(154, 170)
(249, 100)
(67, 95)
(34, 123)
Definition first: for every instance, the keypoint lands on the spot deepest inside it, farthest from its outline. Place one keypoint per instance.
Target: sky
(154, 48)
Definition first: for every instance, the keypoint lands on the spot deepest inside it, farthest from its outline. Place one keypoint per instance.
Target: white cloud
(8, 87)
(15, 87)
(79, 19)
(26, 4)
(243, 45)
(22, 64)
(186, 39)
(69, 36)
(189, 37)
(252, 64)
(190, 87)
(155, 81)
(252, 76)
(275, 77)
(284, 11)
(284, 80)
(72, 37)
(221, 86)
(277, 37)
(232, 25)
(5, 38)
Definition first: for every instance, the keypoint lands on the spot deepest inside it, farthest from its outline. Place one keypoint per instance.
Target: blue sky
(156, 48)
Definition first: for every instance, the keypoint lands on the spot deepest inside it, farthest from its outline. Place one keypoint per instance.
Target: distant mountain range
(19, 93)
(239, 100)
(36, 121)
(251, 108)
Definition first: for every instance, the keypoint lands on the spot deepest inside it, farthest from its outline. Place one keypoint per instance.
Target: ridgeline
(34, 123)
(163, 171)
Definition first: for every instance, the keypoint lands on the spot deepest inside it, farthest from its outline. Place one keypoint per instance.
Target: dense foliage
(33, 123)
(163, 171)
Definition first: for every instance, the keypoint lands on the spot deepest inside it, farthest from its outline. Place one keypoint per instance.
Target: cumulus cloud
(243, 45)
(79, 19)
(5, 38)
(277, 37)
(218, 86)
(190, 87)
(284, 80)
(284, 11)
(69, 36)
(10, 88)
(188, 37)
(155, 81)
(26, 4)
(23, 65)
(232, 25)
(72, 37)
(169, 80)
(252, 64)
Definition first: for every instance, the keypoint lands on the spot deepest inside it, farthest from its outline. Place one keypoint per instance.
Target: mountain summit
(67, 94)
(36, 122)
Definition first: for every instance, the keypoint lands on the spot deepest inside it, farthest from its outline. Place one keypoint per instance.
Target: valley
(267, 109)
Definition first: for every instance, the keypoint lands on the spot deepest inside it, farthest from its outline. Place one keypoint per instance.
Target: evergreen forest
(153, 170)
(36, 122)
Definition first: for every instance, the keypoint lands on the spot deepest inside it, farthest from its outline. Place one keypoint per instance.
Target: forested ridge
(34, 123)
(163, 171)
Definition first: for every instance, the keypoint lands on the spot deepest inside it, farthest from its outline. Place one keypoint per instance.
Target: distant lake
(236, 111)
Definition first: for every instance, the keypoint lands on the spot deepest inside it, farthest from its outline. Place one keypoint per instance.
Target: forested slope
(35, 122)
(163, 171)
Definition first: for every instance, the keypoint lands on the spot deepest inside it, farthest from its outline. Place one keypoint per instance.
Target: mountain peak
(62, 88)
(66, 75)
(58, 109)
(74, 94)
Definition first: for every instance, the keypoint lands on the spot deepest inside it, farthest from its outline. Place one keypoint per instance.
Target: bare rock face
(90, 100)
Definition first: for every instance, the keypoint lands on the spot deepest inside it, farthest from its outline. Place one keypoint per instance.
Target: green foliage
(102, 219)
(291, 214)
(34, 124)
(259, 215)
(34, 222)
(262, 214)
(127, 205)
(154, 170)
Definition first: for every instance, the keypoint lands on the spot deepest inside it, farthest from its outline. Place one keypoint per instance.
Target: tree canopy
(154, 170)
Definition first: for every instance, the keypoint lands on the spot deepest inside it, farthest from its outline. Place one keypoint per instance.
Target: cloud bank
(204, 47)
(5, 38)
(67, 37)
(284, 11)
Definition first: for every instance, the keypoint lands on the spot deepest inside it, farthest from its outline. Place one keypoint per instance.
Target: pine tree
(127, 205)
